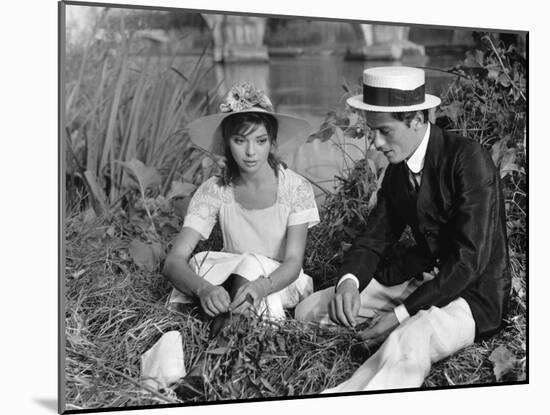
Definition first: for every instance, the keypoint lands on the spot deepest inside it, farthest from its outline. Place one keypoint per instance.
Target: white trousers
(216, 267)
(405, 357)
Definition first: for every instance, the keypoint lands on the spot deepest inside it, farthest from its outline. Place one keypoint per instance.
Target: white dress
(254, 240)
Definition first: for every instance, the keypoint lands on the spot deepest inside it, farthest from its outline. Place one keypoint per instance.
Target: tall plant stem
(503, 68)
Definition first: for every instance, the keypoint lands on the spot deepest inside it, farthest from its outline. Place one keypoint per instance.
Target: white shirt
(244, 230)
(415, 163)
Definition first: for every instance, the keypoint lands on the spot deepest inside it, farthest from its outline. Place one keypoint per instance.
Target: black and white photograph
(264, 207)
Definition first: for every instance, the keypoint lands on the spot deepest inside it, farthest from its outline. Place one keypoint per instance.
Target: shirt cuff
(348, 277)
(401, 313)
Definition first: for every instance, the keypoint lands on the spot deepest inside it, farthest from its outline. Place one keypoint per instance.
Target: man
(452, 286)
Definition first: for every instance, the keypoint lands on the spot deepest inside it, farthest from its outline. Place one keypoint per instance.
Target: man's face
(392, 137)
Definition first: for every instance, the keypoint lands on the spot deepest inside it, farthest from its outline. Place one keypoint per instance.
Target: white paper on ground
(163, 365)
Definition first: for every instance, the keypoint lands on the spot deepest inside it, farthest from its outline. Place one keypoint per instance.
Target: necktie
(414, 180)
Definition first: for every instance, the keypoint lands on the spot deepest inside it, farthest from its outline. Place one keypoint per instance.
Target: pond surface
(310, 86)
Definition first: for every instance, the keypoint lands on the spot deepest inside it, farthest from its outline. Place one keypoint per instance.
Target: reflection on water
(310, 86)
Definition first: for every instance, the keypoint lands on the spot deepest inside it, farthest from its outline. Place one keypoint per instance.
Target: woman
(264, 210)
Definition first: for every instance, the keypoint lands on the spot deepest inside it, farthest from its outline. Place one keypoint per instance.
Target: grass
(115, 311)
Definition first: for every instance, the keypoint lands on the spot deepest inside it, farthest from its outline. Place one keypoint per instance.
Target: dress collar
(416, 162)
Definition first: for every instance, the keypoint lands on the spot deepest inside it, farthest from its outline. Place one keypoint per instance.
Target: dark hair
(245, 123)
(408, 116)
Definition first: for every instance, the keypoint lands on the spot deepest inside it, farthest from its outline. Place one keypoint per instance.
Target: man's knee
(314, 307)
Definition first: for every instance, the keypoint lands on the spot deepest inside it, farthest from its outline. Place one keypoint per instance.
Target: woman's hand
(214, 300)
(249, 295)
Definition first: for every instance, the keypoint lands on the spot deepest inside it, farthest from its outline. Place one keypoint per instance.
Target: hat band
(389, 97)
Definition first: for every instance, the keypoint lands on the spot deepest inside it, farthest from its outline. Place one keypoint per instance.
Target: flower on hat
(244, 97)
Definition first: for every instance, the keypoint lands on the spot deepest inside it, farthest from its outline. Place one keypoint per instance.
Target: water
(310, 86)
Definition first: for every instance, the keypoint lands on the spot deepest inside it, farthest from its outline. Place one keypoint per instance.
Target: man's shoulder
(455, 154)
(454, 147)
(453, 141)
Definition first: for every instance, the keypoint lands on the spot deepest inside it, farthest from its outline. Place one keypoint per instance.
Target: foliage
(120, 108)
(254, 358)
(487, 102)
(343, 215)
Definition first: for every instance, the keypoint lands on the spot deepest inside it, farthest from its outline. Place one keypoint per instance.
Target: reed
(120, 106)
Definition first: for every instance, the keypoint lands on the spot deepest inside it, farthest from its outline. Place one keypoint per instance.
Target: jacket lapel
(429, 184)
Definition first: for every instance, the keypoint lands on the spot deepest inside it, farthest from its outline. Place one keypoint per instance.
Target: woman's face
(251, 150)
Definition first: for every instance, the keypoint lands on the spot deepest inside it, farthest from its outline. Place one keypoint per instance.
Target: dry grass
(115, 312)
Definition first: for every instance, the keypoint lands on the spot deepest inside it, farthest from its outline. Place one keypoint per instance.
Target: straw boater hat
(393, 89)
(205, 132)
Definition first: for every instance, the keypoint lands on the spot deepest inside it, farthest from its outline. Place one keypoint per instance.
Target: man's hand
(345, 304)
(214, 300)
(381, 328)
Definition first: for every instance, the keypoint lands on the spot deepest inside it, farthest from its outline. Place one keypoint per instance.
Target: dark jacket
(459, 225)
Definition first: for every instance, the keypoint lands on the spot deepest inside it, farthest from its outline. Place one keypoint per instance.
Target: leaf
(371, 165)
(353, 118)
(218, 351)
(179, 73)
(493, 74)
(157, 249)
(110, 231)
(89, 215)
(267, 385)
(504, 80)
(474, 58)
(326, 130)
(474, 71)
(497, 151)
(181, 205)
(454, 110)
(145, 256)
(504, 362)
(78, 273)
(280, 342)
(345, 246)
(508, 162)
(517, 286)
(180, 189)
(143, 177)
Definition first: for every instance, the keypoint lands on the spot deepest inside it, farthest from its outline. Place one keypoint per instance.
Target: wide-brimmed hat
(205, 132)
(393, 89)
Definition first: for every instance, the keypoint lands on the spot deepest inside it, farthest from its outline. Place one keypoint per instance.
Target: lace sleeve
(204, 207)
(303, 208)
